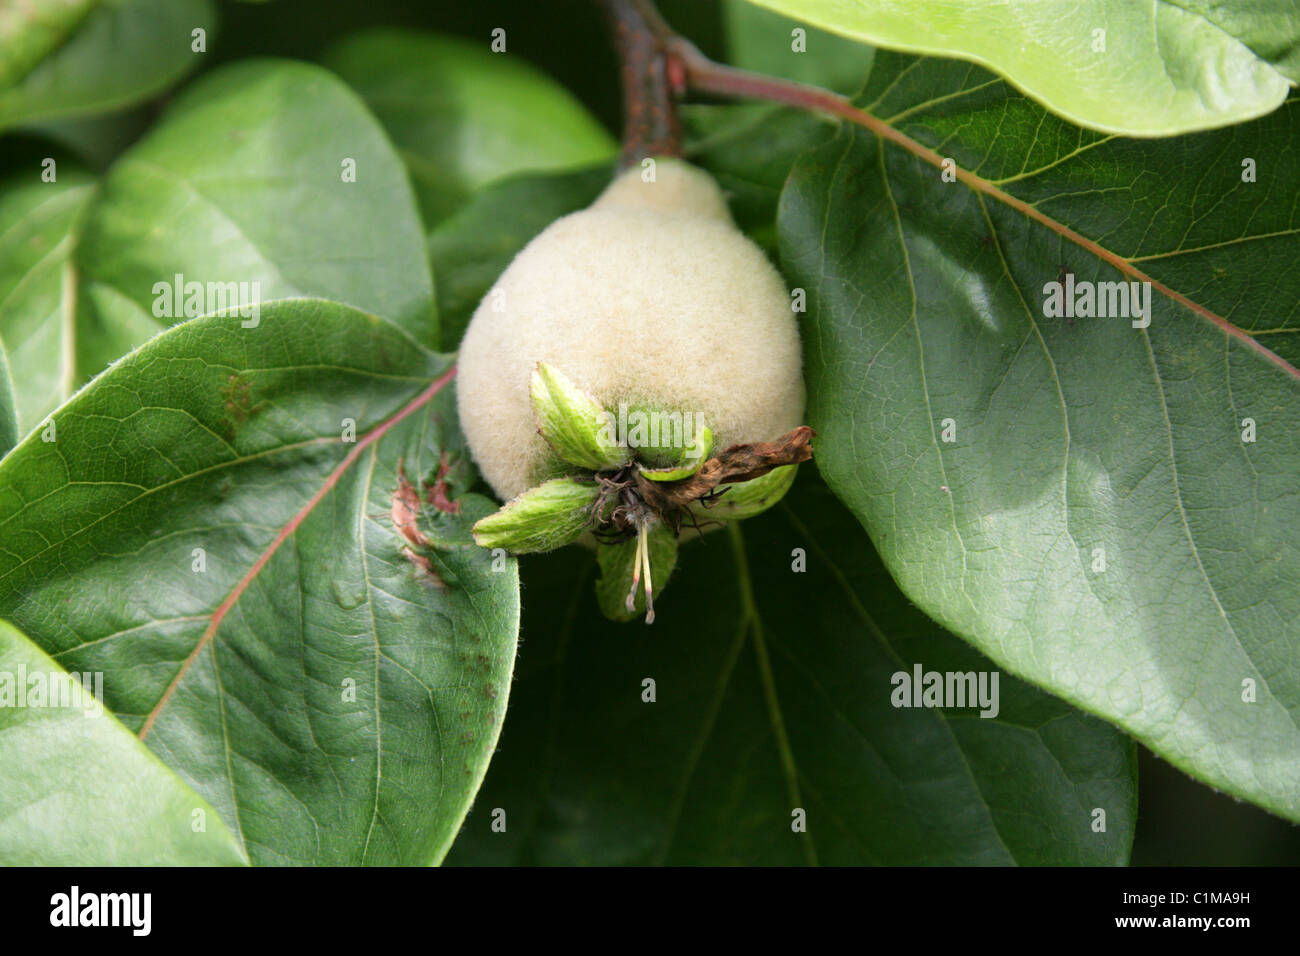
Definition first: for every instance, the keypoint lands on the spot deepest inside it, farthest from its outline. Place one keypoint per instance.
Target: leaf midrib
(286, 532)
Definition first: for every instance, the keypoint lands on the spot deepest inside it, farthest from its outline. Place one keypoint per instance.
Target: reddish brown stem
(651, 84)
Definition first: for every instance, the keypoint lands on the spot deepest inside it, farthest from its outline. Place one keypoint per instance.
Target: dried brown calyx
(628, 500)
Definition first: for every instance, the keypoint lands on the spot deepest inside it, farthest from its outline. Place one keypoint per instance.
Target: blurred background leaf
(39, 225)
(765, 41)
(64, 58)
(462, 116)
(8, 417)
(244, 179)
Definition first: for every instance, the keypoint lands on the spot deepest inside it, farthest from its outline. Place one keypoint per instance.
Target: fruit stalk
(651, 78)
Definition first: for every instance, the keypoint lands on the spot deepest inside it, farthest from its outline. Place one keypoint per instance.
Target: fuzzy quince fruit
(635, 369)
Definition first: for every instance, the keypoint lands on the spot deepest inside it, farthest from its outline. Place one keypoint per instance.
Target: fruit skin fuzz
(650, 298)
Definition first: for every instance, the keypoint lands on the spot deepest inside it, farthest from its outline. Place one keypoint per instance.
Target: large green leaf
(39, 223)
(464, 116)
(303, 671)
(77, 788)
(244, 180)
(773, 692)
(1155, 69)
(1097, 524)
(63, 58)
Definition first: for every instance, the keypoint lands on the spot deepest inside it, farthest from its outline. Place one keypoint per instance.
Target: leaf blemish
(238, 396)
(404, 511)
(436, 493)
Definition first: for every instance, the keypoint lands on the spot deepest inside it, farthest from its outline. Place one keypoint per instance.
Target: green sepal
(573, 422)
(544, 518)
(615, 579)
(688, 466)
(747, 498)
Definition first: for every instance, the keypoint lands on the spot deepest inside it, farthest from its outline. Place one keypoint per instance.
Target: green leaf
(77, 788)
(1096, 524)
(773, 692)
(463, 116)
(212, 529)
(617, 564)
(39, 224)
(573, 423)
(243, 181)
(61, 58)
(1153, 70)
(553, 514)
(472, 247)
